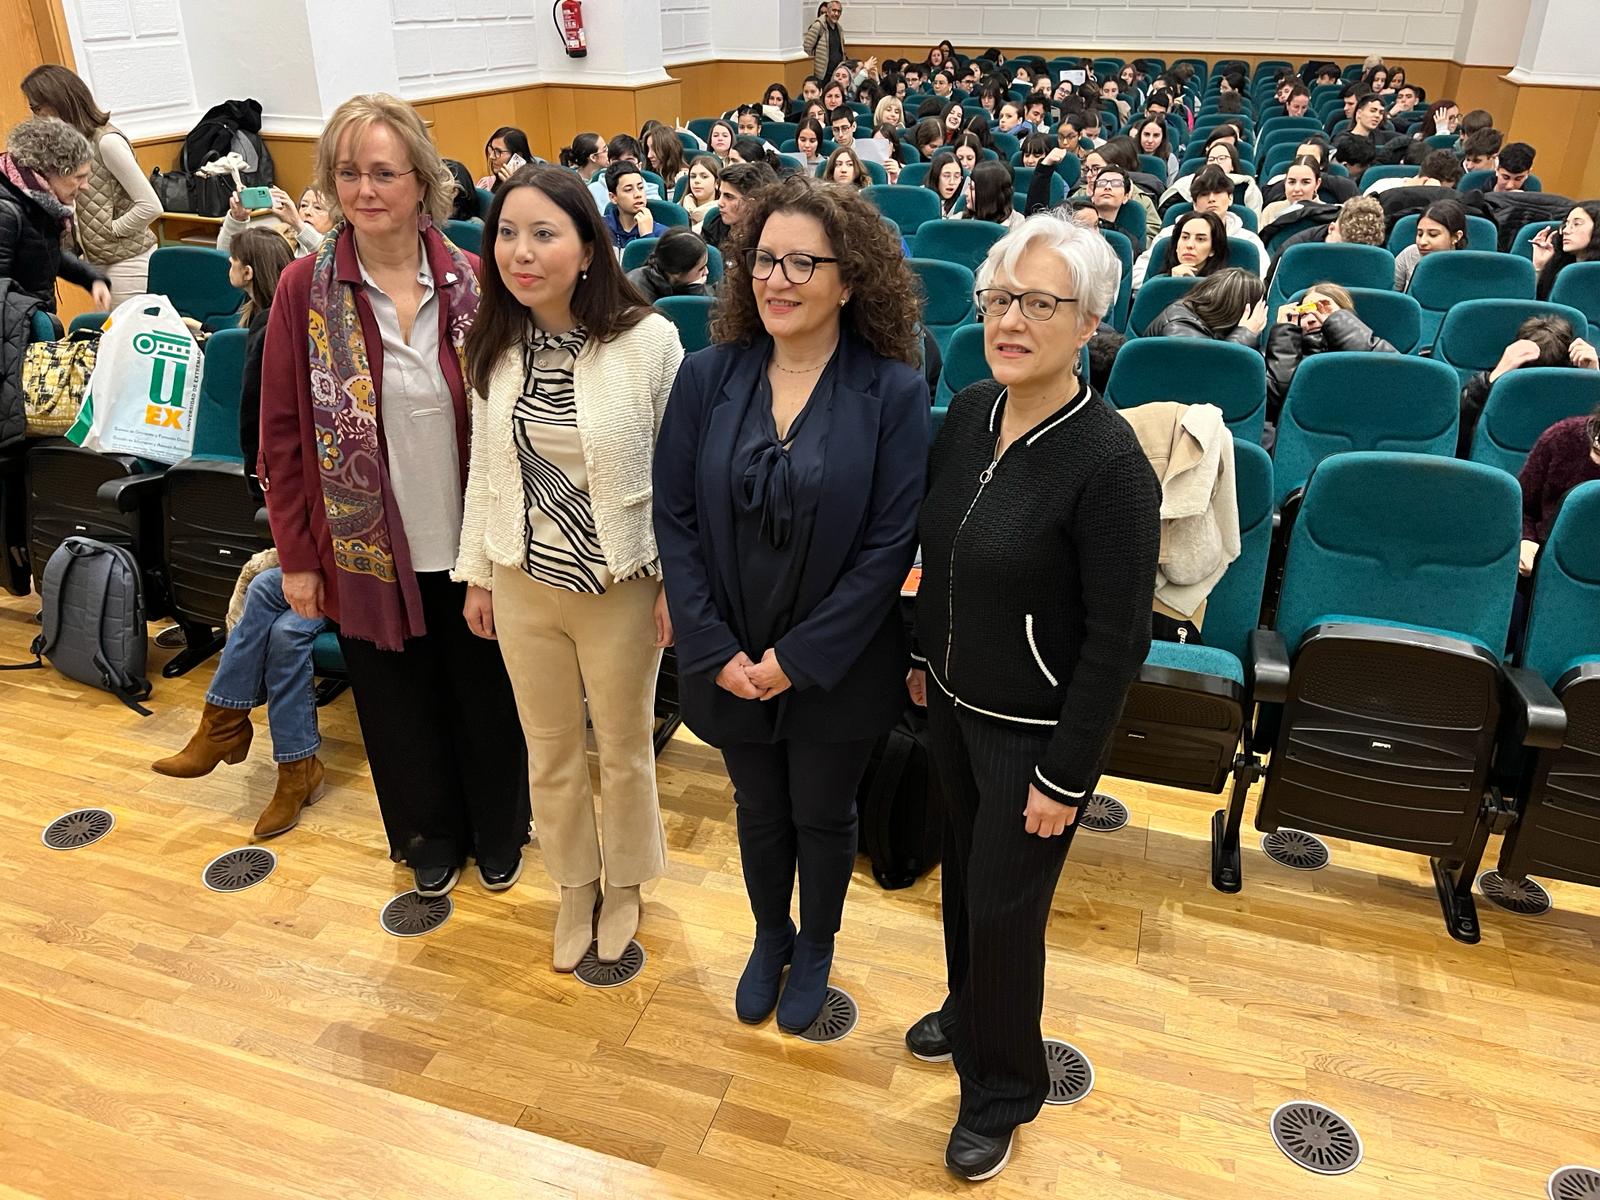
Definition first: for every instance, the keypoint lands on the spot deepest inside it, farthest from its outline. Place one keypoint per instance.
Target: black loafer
(926, 1040)
(498, 876)
(975, 1157)
(436, 881)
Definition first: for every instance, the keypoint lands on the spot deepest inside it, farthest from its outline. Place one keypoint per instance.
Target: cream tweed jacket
(621, 390)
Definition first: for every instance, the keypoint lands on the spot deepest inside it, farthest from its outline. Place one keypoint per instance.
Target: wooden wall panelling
(1559, 122)
(20, 36)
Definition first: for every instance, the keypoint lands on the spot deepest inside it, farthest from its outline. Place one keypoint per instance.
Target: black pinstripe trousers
(998, 882)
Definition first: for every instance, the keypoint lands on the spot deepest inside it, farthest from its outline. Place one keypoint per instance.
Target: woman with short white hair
(1039, 540)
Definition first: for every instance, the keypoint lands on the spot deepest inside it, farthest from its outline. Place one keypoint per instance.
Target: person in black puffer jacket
(1540, 342)
(1331, 325)
(676, 267)
(1225, 307)
(45, 163)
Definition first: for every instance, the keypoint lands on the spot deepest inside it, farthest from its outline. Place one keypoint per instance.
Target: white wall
(1425, 28)
(444, 46)
(136, 58)
(276, 43)
(685, 30)
(1559, 47)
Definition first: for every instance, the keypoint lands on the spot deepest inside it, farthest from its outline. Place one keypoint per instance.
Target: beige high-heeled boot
(619, 921)
(575, 925)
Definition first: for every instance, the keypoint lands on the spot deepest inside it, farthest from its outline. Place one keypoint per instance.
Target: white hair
(1090, 261)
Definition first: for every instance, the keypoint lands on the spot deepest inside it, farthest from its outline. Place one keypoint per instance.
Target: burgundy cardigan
(288, 467)
(1558, 462)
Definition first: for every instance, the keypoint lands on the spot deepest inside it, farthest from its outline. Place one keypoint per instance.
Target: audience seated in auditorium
(677, 266)
(1513, 168)
(1566, 454)
(1443, 226)
(1324, 320)
(1574, 242)
(1225, 307)
(1543, 341)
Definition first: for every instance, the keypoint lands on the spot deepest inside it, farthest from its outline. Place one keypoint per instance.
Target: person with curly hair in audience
(787, 481)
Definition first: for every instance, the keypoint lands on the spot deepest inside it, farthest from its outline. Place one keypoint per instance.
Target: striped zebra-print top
(562, 548)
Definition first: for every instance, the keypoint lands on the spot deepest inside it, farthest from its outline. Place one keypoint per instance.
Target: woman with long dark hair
(1575, 241)
(570, 369)
(786, 489)
(498, 151)
(113, 213)
(992, 197)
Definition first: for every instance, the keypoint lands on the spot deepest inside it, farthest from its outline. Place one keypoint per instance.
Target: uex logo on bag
(169, 371)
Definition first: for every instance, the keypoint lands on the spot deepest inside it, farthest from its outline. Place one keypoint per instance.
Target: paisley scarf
(374, 602)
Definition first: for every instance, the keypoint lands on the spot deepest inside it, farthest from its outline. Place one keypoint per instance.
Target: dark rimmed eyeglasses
(1036, 306)
(797, 268)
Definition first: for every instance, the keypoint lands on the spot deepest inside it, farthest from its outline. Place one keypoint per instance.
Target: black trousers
(796, 807)
(440, 723)
(998, 881)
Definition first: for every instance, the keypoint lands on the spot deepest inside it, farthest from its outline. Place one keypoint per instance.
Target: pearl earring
(582, 275)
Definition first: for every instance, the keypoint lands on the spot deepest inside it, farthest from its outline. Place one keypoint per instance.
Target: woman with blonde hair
(364, 434)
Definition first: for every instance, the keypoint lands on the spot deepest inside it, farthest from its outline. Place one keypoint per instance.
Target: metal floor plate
(1296, 849)
(411, 915)
(1071, 1073)
(838, 1017)
(1574, 1183)
(609, 975)
(1524, 897)
(239, 869)
(1316, 1138)
(1103, 814)
(78, 828)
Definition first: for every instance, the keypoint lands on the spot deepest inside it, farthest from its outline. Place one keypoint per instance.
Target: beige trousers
(130, 277)
(560, 647)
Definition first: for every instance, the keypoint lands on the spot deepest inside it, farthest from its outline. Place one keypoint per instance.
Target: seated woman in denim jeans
(267, 660)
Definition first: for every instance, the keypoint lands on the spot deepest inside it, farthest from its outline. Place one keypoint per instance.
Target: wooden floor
(157, 1039)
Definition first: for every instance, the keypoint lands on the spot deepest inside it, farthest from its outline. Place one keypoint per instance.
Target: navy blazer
(846, 653)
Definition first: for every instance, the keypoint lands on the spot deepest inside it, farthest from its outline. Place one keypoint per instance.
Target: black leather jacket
(1287, 345)
(1178, 320)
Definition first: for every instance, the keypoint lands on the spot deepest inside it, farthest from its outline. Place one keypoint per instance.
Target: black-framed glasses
(797, 268)
(1036, 306)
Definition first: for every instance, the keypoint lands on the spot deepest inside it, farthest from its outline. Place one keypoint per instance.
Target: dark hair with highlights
(885, 305)
(603, 300)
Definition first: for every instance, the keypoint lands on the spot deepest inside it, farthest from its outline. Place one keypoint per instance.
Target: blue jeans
(267, 660)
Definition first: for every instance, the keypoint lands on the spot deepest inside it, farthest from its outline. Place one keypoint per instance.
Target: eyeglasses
(384, 178)
(797, 268)
(1036, 306)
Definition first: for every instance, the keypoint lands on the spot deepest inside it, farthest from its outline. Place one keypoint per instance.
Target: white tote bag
(145, 388)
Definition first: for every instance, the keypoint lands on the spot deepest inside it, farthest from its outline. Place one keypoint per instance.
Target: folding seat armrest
(127, 494)
(1541, 721)
(263, 522)
(1268, 666)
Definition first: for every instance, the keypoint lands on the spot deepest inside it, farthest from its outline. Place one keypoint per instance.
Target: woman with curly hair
(787, 479)
(45, 165)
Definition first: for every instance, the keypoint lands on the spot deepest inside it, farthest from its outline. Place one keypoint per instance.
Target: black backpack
(229, 127)
(901, 805)
(94, 622)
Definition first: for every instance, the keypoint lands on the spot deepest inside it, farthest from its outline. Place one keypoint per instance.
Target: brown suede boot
(299, 784)
(224, 736)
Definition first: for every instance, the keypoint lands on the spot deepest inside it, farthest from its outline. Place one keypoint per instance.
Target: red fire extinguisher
(568, 16)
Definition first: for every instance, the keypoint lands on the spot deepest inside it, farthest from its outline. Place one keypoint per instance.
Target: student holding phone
(303, 223)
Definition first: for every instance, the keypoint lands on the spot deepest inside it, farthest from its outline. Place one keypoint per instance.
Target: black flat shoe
(436, 881)
(975, 1157)
(926, 1040)
(498, 876)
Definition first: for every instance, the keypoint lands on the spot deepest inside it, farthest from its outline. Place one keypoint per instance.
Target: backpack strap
(898, 745)
(50, 588)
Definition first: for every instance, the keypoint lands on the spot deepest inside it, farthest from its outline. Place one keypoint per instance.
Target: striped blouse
(562, 548)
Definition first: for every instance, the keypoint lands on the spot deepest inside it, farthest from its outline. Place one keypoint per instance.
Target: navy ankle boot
(757, 993)
(807, 987)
